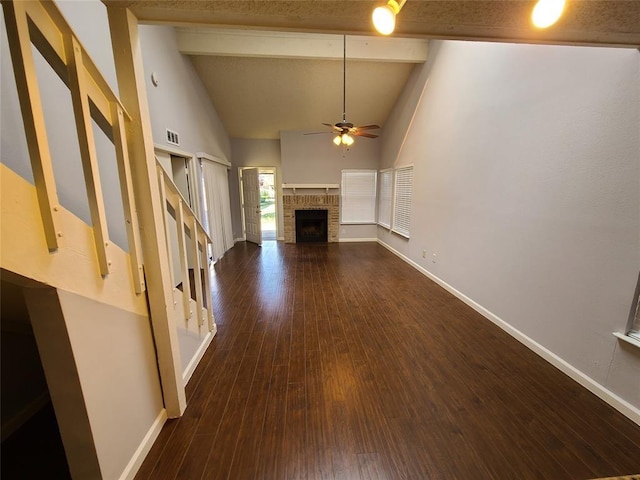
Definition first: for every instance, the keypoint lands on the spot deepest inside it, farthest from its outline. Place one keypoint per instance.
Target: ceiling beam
(253, 43)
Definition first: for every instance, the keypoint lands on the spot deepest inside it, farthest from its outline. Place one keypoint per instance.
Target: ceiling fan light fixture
(547, 12)
(337, 140)
(384, 17)
(347, 139)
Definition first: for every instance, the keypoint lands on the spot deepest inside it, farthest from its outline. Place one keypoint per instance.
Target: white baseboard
(186, 375)
(280, 239)
(624, 407)
(352, 240)
(143, 449)
(239, 239)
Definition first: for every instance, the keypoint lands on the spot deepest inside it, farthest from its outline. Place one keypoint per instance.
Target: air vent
(172, 137)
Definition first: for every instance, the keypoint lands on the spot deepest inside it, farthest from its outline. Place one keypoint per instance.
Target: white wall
(526, 186)
(247, 152)
(315, 159)
(179, 102)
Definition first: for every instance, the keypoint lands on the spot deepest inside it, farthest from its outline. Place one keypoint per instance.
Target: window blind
(358, 196)
(634, 331)
(218, 207)
(385, 198)
(402, 203)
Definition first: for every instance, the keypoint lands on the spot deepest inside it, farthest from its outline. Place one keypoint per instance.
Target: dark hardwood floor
(340, 361)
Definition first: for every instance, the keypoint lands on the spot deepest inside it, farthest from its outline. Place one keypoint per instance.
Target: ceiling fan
(345, 131)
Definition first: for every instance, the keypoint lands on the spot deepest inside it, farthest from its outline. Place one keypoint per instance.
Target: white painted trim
(353, 240)
(211, 158)
(627, 338)
(271, 44)
(143, 449)
(239, 239)
(280, 239)
(171, 150)
(186, 376)
(310, 185)
(630, 411)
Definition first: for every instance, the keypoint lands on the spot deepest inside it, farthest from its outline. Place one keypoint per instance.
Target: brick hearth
(311, 202)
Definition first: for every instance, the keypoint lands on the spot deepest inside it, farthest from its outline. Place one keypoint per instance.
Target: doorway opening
(268, 219)
(259, 203)
(31, 440)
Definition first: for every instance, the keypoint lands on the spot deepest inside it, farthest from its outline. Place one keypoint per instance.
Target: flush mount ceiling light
(547, 12)
(384, 17)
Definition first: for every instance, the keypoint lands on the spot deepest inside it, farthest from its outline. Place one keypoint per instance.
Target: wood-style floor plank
(340, 361)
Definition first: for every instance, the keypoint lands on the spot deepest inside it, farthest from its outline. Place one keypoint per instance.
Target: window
(633, 329)
(358, 196)
(402, 200)
(385, 198)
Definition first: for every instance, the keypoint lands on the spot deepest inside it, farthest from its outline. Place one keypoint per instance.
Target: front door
(251, 205)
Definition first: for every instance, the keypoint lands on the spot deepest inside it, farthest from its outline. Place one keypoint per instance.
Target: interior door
(251, 205)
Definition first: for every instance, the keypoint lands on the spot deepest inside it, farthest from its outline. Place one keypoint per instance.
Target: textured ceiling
(258, 97)
(584, 21)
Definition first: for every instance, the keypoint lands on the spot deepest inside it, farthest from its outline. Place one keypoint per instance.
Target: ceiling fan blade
(329, 124)
(363, 134)
(368, 127)
(334, 127)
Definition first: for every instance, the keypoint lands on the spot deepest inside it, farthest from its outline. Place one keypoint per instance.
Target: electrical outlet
(434, 258)
(424, 254)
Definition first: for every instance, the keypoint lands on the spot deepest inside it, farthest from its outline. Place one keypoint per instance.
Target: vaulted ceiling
(265, 74)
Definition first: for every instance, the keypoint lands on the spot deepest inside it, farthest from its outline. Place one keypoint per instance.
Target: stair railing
(193, 241)
(42, 25)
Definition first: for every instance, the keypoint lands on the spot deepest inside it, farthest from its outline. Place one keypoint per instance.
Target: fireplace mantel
(311, 186)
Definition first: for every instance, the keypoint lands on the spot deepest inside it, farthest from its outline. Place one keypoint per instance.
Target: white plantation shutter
(635, 328)
(402, 203)
(634, 331)
(358, 196)
(385, 197)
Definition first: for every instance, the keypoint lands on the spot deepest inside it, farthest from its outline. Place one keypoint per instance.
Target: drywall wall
(179, 102)
(315, 159)
(253, 153)
(526, 168)
(89, 21)
(102, 373)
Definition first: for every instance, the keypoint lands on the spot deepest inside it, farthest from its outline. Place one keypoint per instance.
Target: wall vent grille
(172, 137)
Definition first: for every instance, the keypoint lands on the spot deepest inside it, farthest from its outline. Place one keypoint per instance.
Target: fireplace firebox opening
(311, 226)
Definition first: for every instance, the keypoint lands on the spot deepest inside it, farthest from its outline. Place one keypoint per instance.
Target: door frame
(268, 169)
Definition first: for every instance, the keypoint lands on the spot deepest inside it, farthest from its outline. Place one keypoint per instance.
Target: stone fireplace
(330, 203)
